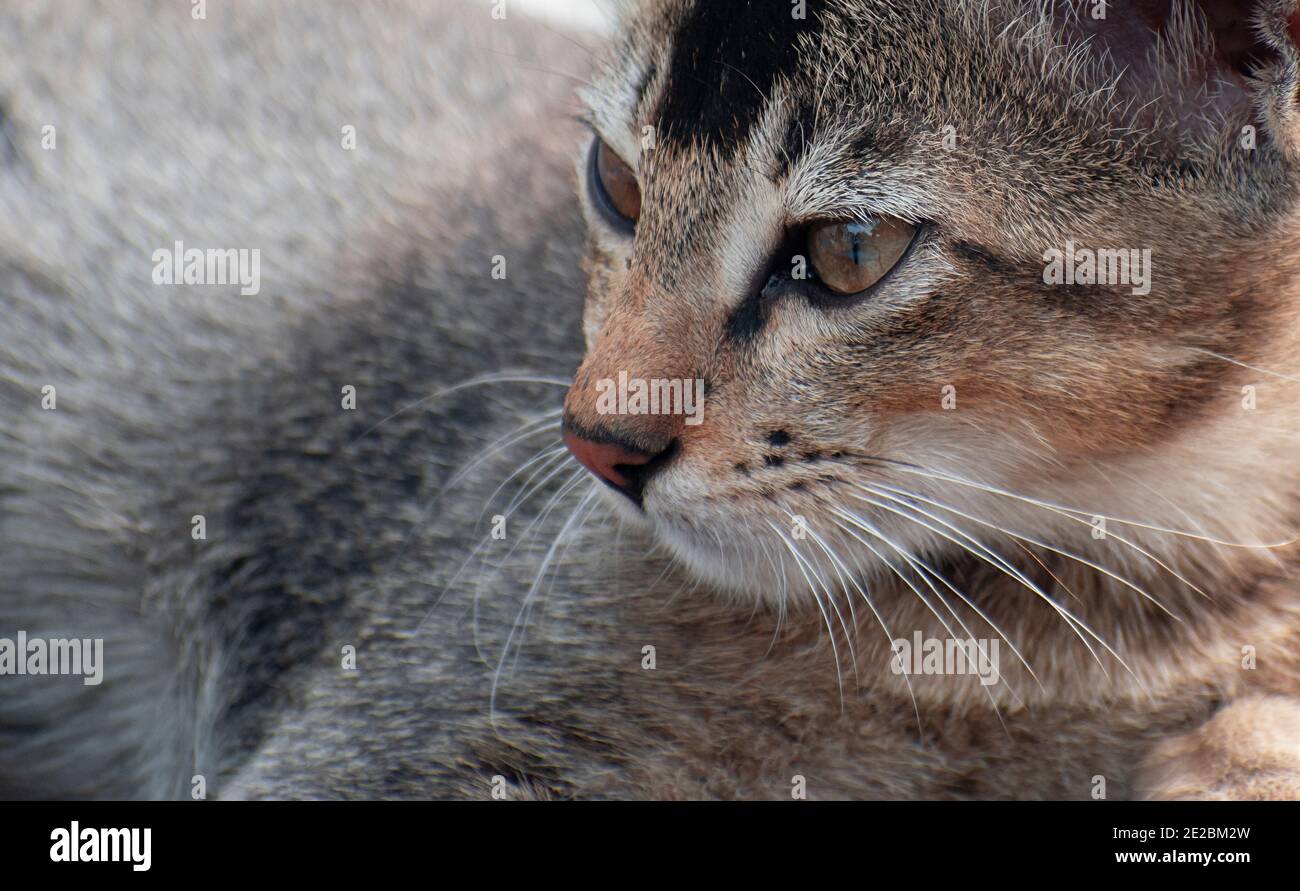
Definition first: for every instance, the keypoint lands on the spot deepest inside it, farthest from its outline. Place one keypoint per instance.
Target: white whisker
(557, 564)
(884, 627)
(980, 551)
(862, 524)
(546, 458)
(994, 490)
(528, 597)
(799, 564)
(1265, 371)
(878, 489)
(465, 385)
(920, 564)
(844, 577)
(575, 479)
(494, 448)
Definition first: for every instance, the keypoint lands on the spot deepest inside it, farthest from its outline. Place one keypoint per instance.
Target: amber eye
(851, 257)
(614, 185)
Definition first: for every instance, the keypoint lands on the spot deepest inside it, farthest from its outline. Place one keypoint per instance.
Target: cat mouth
(784, 521)
(806, 536)
(769, 540)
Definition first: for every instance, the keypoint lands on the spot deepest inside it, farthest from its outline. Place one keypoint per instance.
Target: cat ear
(1200, 67)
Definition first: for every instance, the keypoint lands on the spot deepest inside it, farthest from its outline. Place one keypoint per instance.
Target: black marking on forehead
(728, 55)
(798, 137)
(870, 141)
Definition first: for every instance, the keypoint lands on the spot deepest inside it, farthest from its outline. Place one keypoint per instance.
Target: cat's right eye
(614, 186)
(850, 257)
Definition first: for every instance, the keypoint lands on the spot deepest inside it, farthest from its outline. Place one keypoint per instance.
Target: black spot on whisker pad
(778, 438)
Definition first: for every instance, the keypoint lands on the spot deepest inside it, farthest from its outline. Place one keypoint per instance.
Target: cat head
(870, 281)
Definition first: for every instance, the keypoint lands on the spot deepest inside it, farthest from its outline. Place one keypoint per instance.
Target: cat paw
(1250, 750)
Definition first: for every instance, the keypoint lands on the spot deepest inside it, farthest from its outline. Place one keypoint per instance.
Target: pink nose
(616, 465)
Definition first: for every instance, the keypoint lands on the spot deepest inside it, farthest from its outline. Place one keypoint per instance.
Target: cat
(330, 534)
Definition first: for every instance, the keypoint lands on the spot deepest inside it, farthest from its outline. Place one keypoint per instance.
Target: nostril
(624, 468)
(648, 469)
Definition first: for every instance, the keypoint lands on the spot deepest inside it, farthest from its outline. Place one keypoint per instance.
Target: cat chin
(725, 573)
(744, 575)
(726, 555)
(697, 550)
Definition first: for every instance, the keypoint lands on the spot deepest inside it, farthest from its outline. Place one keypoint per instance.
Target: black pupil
(857, 235)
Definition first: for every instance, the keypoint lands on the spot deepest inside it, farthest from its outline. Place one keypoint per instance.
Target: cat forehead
(962, 107)
(707, 73)
(726, 63)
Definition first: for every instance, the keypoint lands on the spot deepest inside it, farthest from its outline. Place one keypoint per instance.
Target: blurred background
(591, 14)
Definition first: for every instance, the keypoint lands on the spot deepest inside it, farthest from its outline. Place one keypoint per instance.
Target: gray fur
(176, 401)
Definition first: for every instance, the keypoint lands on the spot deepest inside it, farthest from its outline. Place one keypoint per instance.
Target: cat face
(914, 257)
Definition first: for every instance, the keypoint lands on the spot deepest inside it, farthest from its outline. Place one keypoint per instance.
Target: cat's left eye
(614, 186)
(851, 257)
